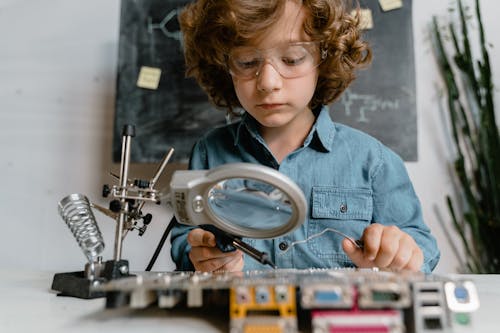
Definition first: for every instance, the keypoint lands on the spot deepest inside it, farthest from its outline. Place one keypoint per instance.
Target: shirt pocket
(348, 210)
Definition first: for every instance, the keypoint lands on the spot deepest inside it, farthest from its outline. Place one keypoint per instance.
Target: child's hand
(385, 247)
(206, 257)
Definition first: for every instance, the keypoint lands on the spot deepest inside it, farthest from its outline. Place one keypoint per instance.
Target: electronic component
(322, 300)
(263, 308)
(359, 321)
(333, 295)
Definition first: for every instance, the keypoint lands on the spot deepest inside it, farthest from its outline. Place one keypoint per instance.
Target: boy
(282, 61)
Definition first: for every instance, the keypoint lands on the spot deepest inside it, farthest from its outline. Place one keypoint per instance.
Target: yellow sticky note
(365, 18)
(390, 4)
(149, 77)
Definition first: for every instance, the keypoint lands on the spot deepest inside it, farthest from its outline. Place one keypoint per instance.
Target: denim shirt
(349, 180)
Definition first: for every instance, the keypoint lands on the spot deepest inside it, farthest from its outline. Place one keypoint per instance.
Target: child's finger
(354, 252)
(371, 239)
(388, 246)
(209, 259)
(200, 237)
(416, 261)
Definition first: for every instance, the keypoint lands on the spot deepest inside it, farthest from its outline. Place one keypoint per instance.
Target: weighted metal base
(76, 284)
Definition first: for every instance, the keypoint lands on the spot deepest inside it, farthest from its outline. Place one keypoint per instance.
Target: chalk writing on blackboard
(162, 26)
(363, 105)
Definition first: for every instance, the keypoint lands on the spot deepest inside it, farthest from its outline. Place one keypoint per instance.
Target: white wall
(57, 83)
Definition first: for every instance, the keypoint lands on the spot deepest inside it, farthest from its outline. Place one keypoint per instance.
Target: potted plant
(476, 139)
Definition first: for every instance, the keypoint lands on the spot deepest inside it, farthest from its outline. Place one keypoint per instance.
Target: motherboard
(315, 300)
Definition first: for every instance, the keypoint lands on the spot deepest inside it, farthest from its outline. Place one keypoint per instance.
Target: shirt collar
(249, 124)
(320, 137)
(323, 130)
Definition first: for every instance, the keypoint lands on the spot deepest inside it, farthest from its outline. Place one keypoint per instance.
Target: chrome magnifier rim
(199, 189)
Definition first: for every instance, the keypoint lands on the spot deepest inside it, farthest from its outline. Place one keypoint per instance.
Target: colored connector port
(263, 301)
(326, 296)
(256, 328)
(281, 294)
(461, 294)
(263, 324)
(384, 295)
(242, 295)
(355, 321)
(433, 323)
(462, 318)
(262, 294)
(264, 317)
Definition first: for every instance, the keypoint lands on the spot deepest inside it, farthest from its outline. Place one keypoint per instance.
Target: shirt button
(283, 246)
(343, 208)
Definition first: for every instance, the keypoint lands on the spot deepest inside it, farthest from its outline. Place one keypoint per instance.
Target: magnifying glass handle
(227, 243)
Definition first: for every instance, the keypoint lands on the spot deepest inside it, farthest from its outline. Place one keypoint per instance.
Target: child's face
(273, 100)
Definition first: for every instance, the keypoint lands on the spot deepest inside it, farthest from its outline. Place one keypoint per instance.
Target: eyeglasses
(290, 60)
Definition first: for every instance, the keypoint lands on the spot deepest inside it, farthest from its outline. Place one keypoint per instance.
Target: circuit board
(330, 301)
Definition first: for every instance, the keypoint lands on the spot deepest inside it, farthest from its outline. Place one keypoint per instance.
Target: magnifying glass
(240, 200)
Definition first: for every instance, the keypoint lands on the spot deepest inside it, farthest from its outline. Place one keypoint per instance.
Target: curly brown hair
(211, 28)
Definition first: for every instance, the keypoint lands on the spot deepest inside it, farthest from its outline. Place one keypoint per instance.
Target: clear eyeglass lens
(290, 60)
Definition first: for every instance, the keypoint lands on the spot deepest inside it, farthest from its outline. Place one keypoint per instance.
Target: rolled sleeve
(396, 203)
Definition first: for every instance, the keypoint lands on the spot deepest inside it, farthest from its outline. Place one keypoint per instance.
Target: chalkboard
(381, 102)
(178, 111)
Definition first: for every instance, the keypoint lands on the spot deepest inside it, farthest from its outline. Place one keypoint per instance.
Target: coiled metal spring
(76, 212)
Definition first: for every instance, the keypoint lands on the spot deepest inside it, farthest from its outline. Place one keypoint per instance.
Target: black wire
(161, 243)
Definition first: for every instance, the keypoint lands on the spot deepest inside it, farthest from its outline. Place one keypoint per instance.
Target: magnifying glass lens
(250, 204)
